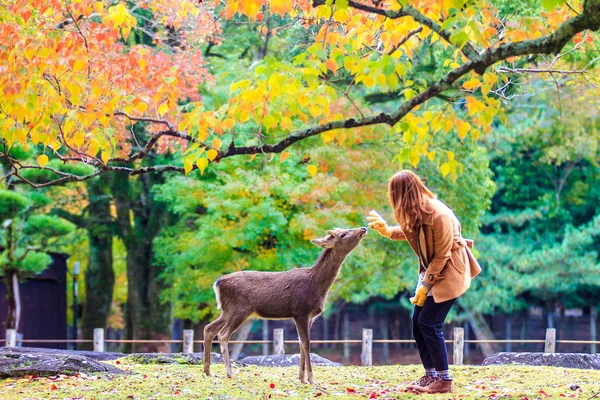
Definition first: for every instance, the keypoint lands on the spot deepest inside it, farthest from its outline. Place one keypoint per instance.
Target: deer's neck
(327, 268)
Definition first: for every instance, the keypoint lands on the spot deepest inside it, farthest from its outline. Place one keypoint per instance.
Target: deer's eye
(343, 235)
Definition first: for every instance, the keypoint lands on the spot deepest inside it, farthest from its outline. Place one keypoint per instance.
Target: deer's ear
(332, 233)
(322, 243)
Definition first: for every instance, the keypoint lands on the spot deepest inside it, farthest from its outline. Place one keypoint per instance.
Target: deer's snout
(363, 231)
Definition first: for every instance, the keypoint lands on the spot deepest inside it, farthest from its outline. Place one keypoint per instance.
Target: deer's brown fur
(297, 294)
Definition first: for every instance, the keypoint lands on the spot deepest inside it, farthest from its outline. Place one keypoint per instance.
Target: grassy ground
(386, 382)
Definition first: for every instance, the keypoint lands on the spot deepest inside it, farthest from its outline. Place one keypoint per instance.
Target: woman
(446, 267)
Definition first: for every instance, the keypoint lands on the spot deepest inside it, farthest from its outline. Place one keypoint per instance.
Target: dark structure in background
(44, 305)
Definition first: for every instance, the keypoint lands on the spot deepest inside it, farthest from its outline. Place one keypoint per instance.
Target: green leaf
(552, 4)
(459, 38)
(11, 203)
(341, 4)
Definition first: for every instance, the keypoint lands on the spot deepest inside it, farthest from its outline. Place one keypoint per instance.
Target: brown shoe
(438, 386)
(425, 381)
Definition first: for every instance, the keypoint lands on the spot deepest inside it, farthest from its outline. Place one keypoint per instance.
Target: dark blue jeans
(427, 330)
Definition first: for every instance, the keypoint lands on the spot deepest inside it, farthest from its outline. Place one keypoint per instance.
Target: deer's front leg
(303, 327)
(302, 375)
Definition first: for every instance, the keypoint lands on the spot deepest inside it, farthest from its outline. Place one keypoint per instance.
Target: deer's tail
(217, 295)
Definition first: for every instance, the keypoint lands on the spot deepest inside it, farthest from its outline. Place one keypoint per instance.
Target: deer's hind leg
(233, 323)
(210, 331)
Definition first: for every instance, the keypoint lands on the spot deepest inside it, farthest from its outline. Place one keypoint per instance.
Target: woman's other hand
(420, 296)
(377, 222)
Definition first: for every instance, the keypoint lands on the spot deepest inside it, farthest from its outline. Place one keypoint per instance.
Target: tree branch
(408, 11)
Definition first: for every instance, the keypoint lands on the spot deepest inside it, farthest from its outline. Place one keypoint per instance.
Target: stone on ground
(286, 360)
(15, 364)
(98, 356)
(565, 360)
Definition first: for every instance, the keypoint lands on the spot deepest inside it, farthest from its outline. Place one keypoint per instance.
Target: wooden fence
(458, 342)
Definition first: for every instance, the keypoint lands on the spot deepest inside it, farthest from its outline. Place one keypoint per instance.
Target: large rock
(172, 358)
(565, 360)
(286, 360)
(105, 356)
(14, 364)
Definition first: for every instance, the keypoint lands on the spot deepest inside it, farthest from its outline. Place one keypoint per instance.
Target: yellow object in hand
(377, 222)
(420, 296)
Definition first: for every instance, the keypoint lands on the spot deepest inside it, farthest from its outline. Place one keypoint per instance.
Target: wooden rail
(458, 341)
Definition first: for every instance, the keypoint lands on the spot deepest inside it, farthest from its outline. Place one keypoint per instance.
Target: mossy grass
(151, 381)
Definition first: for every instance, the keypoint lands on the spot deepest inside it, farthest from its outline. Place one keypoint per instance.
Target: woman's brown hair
(406, 191)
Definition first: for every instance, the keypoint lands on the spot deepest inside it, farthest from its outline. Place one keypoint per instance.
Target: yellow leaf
(414, 158)
(141, 107)
(228, 123)
(74, 90)
(79, 65)
(78, 139)
(471, 84)
(328, 136)
(105, 157)
(490, 78)
(230, 9)
(280, 7)
(368, 81)
(474, 106)
(202, 163)
(42, 160)
(463, 128)
(312, 170)
(431, 155)
(125, 32)
(93, 148)
(98, 7)
(212, 154)
(303, 100)
(283, 156)
(163, 108)
(187, 166)
(445, 169)
(216, 143)
(450, 155)
(315, 110)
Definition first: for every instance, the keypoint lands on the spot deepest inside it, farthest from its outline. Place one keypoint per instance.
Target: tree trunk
(482, 331)
(146, 316)
(13, 297)
(99, 275)
(241, 334)
(383, 326)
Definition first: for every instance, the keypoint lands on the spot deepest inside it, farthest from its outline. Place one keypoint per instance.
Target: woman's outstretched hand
(377, 222)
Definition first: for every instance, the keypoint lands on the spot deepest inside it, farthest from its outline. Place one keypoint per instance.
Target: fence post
(278, 344)
(188, 341)
(11, 338)
(550, 341)
(99, 340)
(366, 356)
(459, 346)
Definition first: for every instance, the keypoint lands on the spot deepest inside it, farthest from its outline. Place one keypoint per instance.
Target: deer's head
(341, 240)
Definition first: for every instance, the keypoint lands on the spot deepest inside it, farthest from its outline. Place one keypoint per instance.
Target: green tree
(25, 238)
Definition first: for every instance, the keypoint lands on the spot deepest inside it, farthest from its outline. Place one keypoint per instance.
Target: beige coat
(446, 254)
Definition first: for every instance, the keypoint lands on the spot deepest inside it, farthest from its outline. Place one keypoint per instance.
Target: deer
(297, 294)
